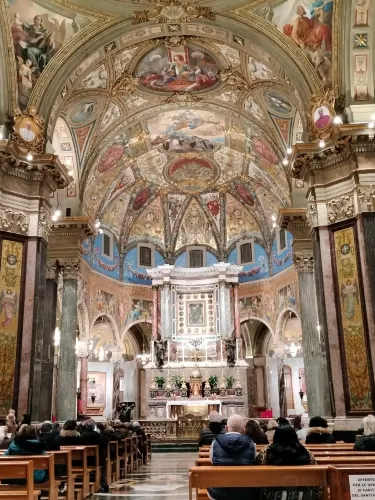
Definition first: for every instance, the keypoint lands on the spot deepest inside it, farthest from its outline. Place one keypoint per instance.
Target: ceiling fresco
(179, 128)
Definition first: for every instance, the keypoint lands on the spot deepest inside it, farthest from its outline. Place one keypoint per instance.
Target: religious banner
(357, 369)
(10, 284)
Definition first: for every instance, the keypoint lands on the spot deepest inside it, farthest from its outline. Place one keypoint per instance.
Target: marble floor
(164, 478)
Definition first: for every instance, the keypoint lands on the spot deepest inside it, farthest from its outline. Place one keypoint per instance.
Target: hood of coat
(65, 434)
(319, 430)
(47, 436)
(233, 443)
(27, 446)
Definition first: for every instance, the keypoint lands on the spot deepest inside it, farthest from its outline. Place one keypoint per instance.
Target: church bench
(45, 462)
(148, 446)
(20, 470)
(93, 452)
(339, 479)
(140, 445)
(129, 454)
(122, 458)
(201, 478)
(356, 460)
(134, 452)
(80, 470)
(64, 457)
(113, 464)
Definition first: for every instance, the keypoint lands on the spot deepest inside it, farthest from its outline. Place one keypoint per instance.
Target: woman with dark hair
(286, 450)
(26, 420)
(318, 432)
(69, 436)
(26, 442)
(255, 433)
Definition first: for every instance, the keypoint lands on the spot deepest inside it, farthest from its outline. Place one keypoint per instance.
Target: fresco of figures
(38, 34)
(175, 69)
(309, 25)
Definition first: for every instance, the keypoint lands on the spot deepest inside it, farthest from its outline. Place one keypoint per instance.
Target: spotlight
(29, 157)
(371, 125)
(289, 151)
(274, 225)
(57, 213)
(100, 231)
(273, 218)
(337, 120)
(68, 162)
(71, 173)
(322, 143)
(285, 161)
(54, 217)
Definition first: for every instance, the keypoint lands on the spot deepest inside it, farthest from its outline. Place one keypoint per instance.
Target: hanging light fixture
(143, 358)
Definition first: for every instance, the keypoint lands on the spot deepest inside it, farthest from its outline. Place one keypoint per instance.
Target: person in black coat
(367, 441)
(91, 437)
(318, 432)
(215, 427)
(48, 435)
(69, 436)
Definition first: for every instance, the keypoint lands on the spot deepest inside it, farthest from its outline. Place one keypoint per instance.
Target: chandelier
(143, 358)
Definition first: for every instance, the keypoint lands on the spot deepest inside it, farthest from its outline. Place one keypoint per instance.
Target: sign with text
(362, 487)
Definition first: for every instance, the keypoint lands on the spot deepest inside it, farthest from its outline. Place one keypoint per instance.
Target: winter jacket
(319, 435)
(51, 439)
(90, 437)
(68, 438)
(209, 434)
(233, 449)
(365, 443)
(29, 447)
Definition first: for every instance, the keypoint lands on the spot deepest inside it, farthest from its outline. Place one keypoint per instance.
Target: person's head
(253, 431)
(282, 421)
(29, 63)
(286, 449)
(368, 425)
(179, 58)
(224, 422)
(70, 425)
(321, 112)
(38, 20)
(11, 418)
(26, 419)
(46, 427)
(318, 422)
(297, 423)
(272, 424)
(101, 427)
(27, 433)
(90, 424)
(136, 424)
(285, 436)
(235, 424)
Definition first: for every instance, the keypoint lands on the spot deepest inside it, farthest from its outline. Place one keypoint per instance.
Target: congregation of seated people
(26, 439)
(234, 444)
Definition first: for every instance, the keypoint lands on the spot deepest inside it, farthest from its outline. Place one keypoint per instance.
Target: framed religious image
(196, 314)
(27, 129)
(322, 117)
(96, 393)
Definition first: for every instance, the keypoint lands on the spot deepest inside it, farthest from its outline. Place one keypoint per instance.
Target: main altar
(197, 364)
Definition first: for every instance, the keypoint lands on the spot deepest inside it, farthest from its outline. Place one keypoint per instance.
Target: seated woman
(367, 441)
(255, 433)
(286, 450)
(272, 426)
(26, 442)
(318, 432)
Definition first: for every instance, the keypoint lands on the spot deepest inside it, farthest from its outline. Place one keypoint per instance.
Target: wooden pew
(348, 460)
(79, 470)
(201, 478)
(93, 452)
(134, 451)
(129, 454)
(64, 457)
(113, 464)
(149, 447)
(122, 458)
(23, 470)
(339, 479)
(45, 462)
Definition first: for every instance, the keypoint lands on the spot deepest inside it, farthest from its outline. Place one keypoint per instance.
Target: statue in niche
(160, 350)
(230, 347)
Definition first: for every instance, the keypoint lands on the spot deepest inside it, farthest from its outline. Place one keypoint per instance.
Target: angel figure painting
(37, 34)
(8, 305)
(350, 298)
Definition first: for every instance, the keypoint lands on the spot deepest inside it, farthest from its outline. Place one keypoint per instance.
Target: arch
(49, 85)
(132, 323)
(261, 320)
(281, 320)
(250, 346)
(111, 322)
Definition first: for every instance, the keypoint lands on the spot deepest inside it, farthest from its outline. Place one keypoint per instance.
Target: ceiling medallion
(166, 11)
(192, 175)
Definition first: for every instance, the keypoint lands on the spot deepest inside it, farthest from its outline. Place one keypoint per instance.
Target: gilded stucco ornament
(70, 268)
(14, 222)
(366, 198)
(44, 224)
(303, 261)
(124, 85)
(322, 112)
(28, 131)
(340, 209)
(312, 215)
(173, 11)
(234, 79)
(182, 97)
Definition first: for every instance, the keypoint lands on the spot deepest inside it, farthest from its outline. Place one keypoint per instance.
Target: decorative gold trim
(29, 131)
(318, 102)
(173, 11)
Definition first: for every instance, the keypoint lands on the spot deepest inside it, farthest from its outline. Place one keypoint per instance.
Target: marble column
(83, 379)
(155, 318)
(167, 304)
(223, 318)
(237, 329)
(48, 353)
(67, 376)
(315, 362)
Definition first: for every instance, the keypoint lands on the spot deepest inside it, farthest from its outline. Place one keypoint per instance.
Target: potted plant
(177, 380)
(213, 380)
(230, 383)
(160, 381)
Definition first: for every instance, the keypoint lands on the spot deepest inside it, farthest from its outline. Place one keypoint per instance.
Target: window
(196, 258)
(282, 240)
(145, 256)
(107, 247)
(288, 387)
(246, 253)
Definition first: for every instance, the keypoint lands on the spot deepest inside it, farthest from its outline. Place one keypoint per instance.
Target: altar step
(175, 447)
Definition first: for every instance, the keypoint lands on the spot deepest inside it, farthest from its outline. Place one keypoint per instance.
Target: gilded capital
(303, 261)
(51, 270)
(70, 268)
